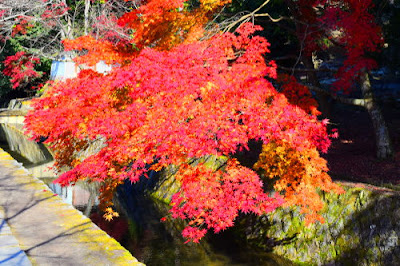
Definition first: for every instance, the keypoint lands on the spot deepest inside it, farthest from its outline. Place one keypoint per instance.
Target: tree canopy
(178, 94)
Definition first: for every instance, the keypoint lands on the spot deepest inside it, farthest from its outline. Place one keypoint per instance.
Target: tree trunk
(86, 15)
(89, 206)
(384, 146)
(325, 106)
(66, 30)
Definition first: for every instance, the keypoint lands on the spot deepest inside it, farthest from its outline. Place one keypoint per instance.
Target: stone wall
(38, 160)
(362, 227)
(13, 135)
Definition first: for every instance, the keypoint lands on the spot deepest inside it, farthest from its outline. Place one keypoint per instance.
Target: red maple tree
(168, 105)
(21, 69)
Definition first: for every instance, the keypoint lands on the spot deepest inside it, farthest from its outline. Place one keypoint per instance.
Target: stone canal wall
(362, 226)
(37, 158)
(13, 134)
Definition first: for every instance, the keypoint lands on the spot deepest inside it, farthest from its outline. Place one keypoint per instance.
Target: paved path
(10, 252)
(35, 224)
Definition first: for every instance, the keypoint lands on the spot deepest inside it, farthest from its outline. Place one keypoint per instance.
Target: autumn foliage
(158, 23)
(169, 104)
(360, 36)
(345, 23)
(21, 69)
(297, 94)
(297, 174)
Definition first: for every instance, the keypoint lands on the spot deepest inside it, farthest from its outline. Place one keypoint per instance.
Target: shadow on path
(48, 230)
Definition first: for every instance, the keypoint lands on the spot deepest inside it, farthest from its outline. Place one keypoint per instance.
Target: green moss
(356, 223)
(168, 185)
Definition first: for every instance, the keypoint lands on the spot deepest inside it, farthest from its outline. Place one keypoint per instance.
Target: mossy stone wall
(167, 186)
(13, 135)
(362, 226)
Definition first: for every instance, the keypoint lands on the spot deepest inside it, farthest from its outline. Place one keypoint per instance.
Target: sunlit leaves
(298, 175)
(21, 69)
(212, 198)
(167, 105)
(157, 23)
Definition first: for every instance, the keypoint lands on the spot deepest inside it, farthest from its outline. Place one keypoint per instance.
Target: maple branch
(246, 18)
(286, 57)
(306, 69)
(345, 100)
(271, 18)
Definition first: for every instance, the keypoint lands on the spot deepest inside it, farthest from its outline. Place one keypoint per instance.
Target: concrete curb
(50, 231)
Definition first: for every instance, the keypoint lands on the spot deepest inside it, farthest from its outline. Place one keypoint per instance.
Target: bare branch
(307, 69)
(49, 25)
(245, 18)
(345, 100)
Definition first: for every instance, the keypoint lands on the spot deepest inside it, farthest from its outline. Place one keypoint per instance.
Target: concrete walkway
(37, 228)
(10, 252)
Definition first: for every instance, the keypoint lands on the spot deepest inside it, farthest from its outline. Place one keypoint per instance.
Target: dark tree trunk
(325, 106)
(301, 31)
(384, 146)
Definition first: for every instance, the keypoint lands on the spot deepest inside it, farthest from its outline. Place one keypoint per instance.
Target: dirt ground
(352, 156)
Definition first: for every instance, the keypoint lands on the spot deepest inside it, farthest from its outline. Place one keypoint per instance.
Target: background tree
(36, 30)
(40, 26)
(344, 30)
